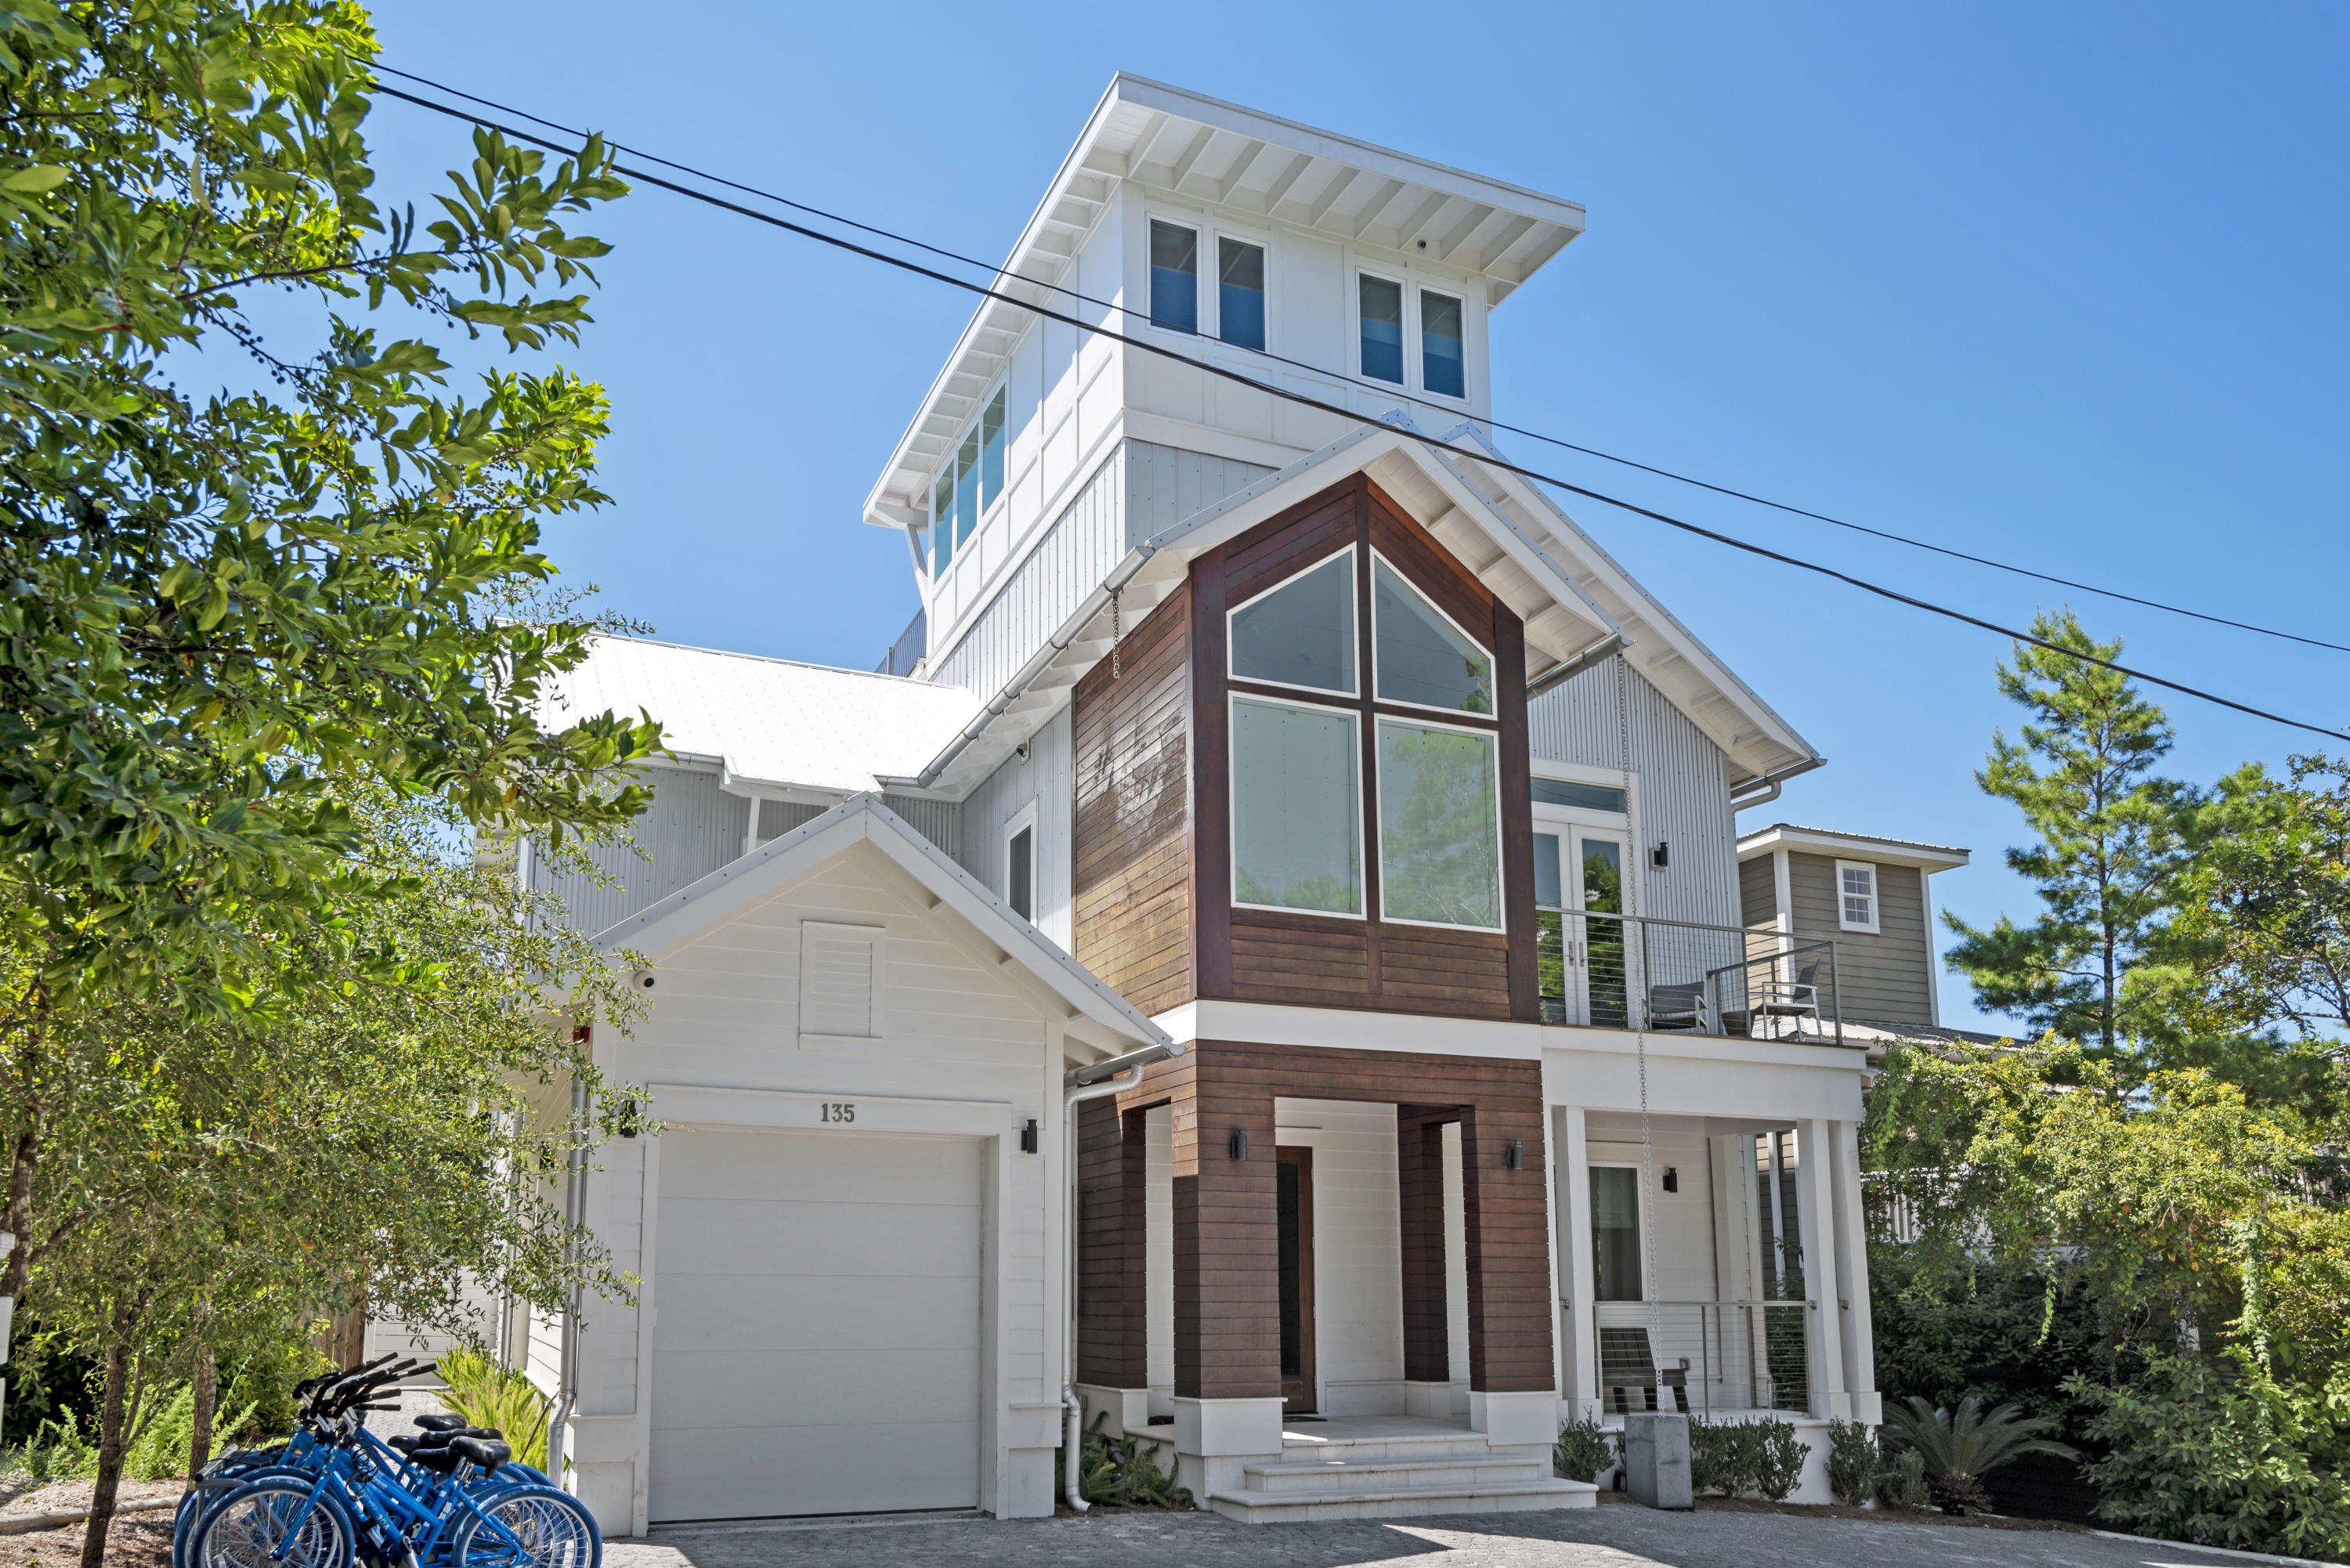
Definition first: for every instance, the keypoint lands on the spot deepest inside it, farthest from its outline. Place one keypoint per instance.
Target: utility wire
(1387, 390)
(1351, 417)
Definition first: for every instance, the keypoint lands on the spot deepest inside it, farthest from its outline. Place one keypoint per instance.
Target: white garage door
(815, 1347)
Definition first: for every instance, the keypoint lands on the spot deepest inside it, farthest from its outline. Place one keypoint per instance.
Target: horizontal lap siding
(1882, 977)
(1130, 855)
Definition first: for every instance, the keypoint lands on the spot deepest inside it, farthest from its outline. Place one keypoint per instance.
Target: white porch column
(1571, 1211)
(1815, 1208)
(1852, 1273)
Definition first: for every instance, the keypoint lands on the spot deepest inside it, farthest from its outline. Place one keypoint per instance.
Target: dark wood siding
(1261, 955)
(1131, 851)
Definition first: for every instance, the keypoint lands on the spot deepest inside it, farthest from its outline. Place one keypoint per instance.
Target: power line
(1307, 401)
(1386, 389)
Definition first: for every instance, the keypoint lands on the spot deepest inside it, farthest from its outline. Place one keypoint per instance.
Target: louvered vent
(837, 980)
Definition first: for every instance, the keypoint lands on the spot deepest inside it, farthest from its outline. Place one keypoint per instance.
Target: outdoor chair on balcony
(1797, 999)
(1680, 1007)
(1628, 1372)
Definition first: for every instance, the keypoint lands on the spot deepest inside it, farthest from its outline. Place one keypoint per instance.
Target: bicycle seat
(441, 1423)
(487, 1455)
(404, 1445)
(440, 1462)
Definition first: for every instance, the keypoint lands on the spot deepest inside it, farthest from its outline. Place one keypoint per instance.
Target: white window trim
(1648, 1219)
(1354, 607)
(1500, 854)
(1025, 818)
(1207, 280)
(1354, 717)
(1876, 920)
(962, 547)
(1493, 670)
(1202, 302)
(1418, 365)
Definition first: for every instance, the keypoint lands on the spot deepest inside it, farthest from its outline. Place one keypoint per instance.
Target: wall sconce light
(1661, 856)
(1672, 1179)
(629, 1118)
(1028, 1137)
(1513, 1155)
(1238, 1147)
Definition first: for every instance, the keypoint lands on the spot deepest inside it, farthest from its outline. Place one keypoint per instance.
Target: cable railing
(1606, 970)
(1701, 1357)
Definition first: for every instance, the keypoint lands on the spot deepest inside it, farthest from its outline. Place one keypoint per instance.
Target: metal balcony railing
(1621, 971)
(1699, 1357)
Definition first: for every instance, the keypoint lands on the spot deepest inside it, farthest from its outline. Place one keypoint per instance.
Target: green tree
(220, 604)
(2111, 836)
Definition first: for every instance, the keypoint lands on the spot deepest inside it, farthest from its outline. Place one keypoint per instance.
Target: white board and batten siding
(690, 830)
(1681, 784)
(844, 1249)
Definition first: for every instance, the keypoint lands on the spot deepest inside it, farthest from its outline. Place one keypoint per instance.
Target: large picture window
(1423, 659)
(1439, 826)
(1301, 633)
(1297, 807)
(968, 485)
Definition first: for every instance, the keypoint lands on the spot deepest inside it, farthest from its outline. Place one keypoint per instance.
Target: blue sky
(2060, 285)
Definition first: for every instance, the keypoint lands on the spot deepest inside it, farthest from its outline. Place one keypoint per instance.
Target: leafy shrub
(1583, 1451)
(1963, 1445)
(2250, 1462)
(1901, 1480)
(488, 1395)
(59, 1450)
(1758, 1456)
(1853, 1462)
(1122, 1472)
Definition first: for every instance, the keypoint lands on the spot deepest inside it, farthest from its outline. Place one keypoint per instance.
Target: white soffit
(1851, 846)
(772, 725)
(1273, 169)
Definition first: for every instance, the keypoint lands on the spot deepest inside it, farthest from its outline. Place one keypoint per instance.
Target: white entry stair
(1395, 1467)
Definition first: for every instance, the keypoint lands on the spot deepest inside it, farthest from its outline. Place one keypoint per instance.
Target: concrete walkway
(1607, 1537)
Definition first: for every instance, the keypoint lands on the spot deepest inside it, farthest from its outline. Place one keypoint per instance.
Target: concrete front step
(1402, 1503)
(1327, 1475)
(1413, 1448)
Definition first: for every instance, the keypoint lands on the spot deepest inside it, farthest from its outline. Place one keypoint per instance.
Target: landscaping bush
(1583, 1451)
(1901, 1480)
(2249, 1462)
(65, 1448)
(1754, 1458)
(1963, 1445)
(1854, 1462)
(1122, 1472)
(488, 1395)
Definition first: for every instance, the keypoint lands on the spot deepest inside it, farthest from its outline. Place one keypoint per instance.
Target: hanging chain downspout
(1115, 635)
(1636, 998)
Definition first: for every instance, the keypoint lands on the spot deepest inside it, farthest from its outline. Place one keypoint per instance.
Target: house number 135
(838, 1111)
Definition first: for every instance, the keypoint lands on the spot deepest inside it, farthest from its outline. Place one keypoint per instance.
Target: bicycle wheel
(196, 1505)
(274, 1525)
(534, 1526)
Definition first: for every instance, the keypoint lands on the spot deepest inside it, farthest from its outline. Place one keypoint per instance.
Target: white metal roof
(771, 724)
(662, 926)
(1858, 846)
(1276, 170)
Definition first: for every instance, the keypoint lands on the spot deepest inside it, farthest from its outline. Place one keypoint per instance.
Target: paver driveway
(1610, 1537)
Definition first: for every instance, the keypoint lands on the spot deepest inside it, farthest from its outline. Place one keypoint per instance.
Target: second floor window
(1442, 368)
(1379, 302)
(968, 485)
(1303, 764)
(1240, 293)
(1855, 895)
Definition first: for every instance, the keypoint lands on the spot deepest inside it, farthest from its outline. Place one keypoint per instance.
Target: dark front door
(1295, 1173)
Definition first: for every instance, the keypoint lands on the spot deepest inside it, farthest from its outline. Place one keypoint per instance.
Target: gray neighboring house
(1874, 897)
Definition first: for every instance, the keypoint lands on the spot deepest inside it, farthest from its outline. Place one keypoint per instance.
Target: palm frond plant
(488, 1395)
(1963, 1445)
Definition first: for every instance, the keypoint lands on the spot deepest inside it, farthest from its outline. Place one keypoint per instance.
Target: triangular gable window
(1302, 632)
(1423, 659)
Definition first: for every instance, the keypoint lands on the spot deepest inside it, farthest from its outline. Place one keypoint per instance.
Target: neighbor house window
(1442, 368)
(1423, 658)
(1855, 895)
(1174, 276)
(1439, 826)
(1615, 1234)
(1296, 808)
(968, 485)
(1301, 633)
(1240, 293)
(1379, 302)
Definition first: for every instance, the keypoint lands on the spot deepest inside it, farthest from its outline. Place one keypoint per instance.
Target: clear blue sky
(2064, 284)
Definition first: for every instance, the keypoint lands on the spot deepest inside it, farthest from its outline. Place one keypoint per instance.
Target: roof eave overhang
(1856, 847)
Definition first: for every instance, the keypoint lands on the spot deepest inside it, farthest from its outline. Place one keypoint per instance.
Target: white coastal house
(1322, 768)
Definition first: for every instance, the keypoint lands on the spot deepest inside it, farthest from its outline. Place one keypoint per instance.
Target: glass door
(1580, 952)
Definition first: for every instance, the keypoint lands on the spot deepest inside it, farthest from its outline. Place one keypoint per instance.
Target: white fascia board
(1851, 846)
(1671, 637)
(667, 924)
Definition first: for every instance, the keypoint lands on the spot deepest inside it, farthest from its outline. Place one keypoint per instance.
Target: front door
(1578, 882)
(1294, 1173)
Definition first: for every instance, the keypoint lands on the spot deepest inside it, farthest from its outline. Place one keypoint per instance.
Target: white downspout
(1107, 1077)
(574, 1208)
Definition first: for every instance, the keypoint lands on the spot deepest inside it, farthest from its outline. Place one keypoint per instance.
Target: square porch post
(1420, 1202)
(1227, 1235)
(1513, 1388)
(1576, 1284)
(1852, 1272)
(1113, 1342)
(1815, 1210)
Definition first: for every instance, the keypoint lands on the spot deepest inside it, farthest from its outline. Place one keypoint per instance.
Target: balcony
(1606, 970)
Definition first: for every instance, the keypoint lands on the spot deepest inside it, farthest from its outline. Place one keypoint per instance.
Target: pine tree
(2112, 836)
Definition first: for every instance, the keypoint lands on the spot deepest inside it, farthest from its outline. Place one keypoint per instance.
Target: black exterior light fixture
(1238, 1147)
(1672, 1179)
(1513, 1155)
(1028, 1137)
(1661, 856)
